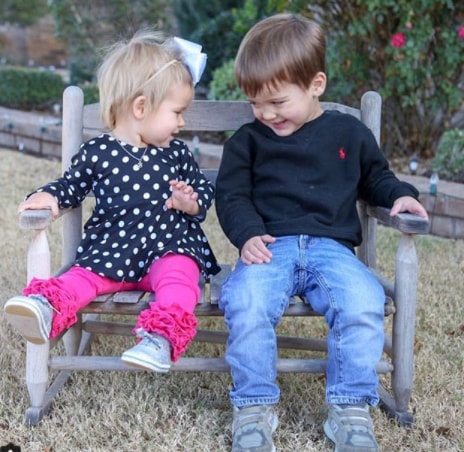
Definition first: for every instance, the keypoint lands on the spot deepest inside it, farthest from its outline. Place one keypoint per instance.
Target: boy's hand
(255, 251)
(40, 200)
(183, 198)
(408, 204)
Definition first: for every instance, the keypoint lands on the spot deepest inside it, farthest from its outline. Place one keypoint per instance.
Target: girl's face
(287, 107)
(159, 126)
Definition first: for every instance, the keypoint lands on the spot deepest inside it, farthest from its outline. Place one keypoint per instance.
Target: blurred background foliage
(411, 51)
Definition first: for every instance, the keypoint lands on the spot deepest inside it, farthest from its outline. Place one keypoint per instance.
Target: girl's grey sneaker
(253, 427)
(31, 316)
(153, 352)
(350, 427)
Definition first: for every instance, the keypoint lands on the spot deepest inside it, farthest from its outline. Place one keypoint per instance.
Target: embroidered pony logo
(342, 153)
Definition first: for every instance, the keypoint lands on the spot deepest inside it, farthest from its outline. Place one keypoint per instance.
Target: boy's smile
(287, 106)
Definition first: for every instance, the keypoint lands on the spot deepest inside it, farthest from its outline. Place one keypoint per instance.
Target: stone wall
(446, 214)
(38, 137)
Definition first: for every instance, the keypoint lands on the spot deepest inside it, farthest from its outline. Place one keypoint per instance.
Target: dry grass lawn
(190, 412)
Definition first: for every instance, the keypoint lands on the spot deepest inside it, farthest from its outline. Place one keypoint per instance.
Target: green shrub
(90, 94)
(449, 157)
(224, 85)
(29, 89)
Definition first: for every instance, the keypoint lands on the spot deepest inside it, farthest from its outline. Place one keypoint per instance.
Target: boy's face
(287, 107)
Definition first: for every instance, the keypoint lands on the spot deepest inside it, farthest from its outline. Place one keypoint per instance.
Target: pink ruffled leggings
(173, 278)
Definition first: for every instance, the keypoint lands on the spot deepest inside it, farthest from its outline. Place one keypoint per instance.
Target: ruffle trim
(65, 306)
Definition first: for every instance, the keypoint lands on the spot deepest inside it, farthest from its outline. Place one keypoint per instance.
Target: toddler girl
(150, 197)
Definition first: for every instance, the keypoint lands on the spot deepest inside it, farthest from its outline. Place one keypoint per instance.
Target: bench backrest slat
(206, 115)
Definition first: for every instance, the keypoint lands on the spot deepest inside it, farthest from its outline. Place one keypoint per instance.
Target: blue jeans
(338, 286)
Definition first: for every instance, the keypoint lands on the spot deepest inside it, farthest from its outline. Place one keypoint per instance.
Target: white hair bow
(193, 57)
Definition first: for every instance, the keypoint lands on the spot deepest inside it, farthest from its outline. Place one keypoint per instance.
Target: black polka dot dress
(130, 226)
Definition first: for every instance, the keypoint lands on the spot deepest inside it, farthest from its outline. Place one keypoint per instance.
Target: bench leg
(388, 405)
(404, 327)
(37, 381)
(72, 338)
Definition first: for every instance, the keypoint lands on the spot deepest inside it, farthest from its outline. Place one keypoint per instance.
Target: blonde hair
(146, 65)
(281, 48)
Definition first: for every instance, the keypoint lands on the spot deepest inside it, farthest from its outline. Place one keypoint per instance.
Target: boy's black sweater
(306, 183)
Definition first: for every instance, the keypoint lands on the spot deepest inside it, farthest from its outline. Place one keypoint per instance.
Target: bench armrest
(35, 219)
(38, 218)
(404, 222)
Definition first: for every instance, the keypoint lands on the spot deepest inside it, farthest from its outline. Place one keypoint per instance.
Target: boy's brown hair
(281, 48)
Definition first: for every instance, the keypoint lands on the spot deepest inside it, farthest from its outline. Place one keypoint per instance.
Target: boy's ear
(319, 83)
(139, 106)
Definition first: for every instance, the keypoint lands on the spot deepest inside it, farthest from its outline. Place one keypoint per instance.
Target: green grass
(191, 412)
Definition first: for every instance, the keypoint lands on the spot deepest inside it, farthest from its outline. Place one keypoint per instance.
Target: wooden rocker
(95, 319)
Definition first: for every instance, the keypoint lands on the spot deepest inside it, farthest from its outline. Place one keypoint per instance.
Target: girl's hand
(183, 198)
(255, 250)
(40, 200)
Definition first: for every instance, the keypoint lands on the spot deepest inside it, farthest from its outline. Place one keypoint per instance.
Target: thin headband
(161, 69)
(192, 57)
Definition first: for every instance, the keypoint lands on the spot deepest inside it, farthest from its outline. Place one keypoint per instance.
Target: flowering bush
(412, 51)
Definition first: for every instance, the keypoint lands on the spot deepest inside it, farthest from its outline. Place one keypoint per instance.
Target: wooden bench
(97, 318)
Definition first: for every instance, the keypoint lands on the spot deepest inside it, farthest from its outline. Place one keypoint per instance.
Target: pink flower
(398, 40)
(461, 32)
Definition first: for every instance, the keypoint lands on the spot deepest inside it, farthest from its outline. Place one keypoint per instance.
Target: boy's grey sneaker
(350, 427)
(31, 316)
(153, 352)
(253, 427)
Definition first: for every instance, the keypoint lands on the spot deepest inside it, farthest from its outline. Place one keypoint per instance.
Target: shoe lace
(142, 334)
